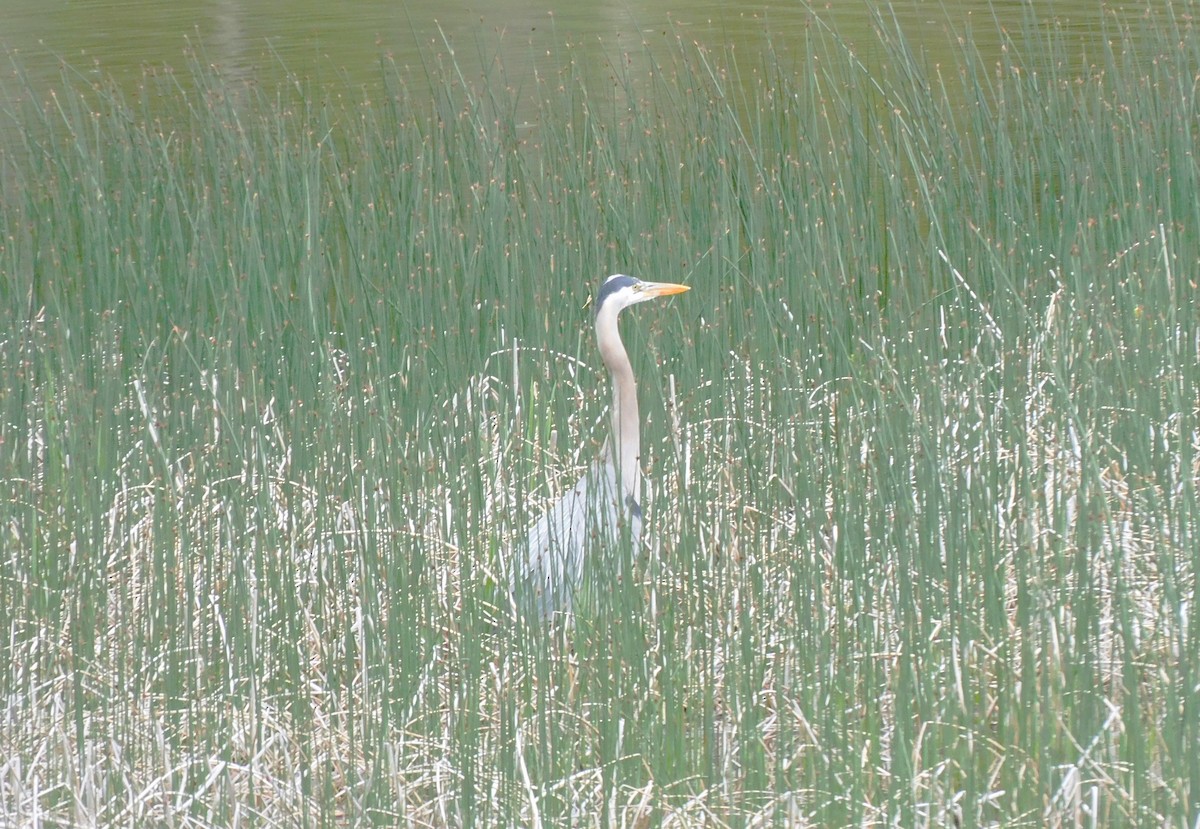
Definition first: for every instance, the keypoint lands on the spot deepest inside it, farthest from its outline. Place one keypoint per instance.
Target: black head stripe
(611, 286)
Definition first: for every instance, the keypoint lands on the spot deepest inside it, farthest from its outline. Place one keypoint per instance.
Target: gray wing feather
(549, 563)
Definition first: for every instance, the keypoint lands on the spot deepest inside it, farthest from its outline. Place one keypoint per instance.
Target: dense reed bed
(283, 372)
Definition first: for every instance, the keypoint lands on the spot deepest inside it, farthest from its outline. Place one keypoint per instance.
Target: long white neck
(625, 444)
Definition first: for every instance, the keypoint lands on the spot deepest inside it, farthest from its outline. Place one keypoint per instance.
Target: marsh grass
(284, 374)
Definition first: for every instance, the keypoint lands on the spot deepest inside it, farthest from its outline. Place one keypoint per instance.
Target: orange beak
(663, 288)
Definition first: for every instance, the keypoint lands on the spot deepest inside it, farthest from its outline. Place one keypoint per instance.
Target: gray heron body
(604, 507)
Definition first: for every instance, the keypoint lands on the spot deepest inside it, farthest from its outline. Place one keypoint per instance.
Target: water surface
(341, 42)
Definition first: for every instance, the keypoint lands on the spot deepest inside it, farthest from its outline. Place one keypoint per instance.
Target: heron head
(620, 291)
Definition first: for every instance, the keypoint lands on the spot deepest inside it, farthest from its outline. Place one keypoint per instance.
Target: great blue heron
(606, 503)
